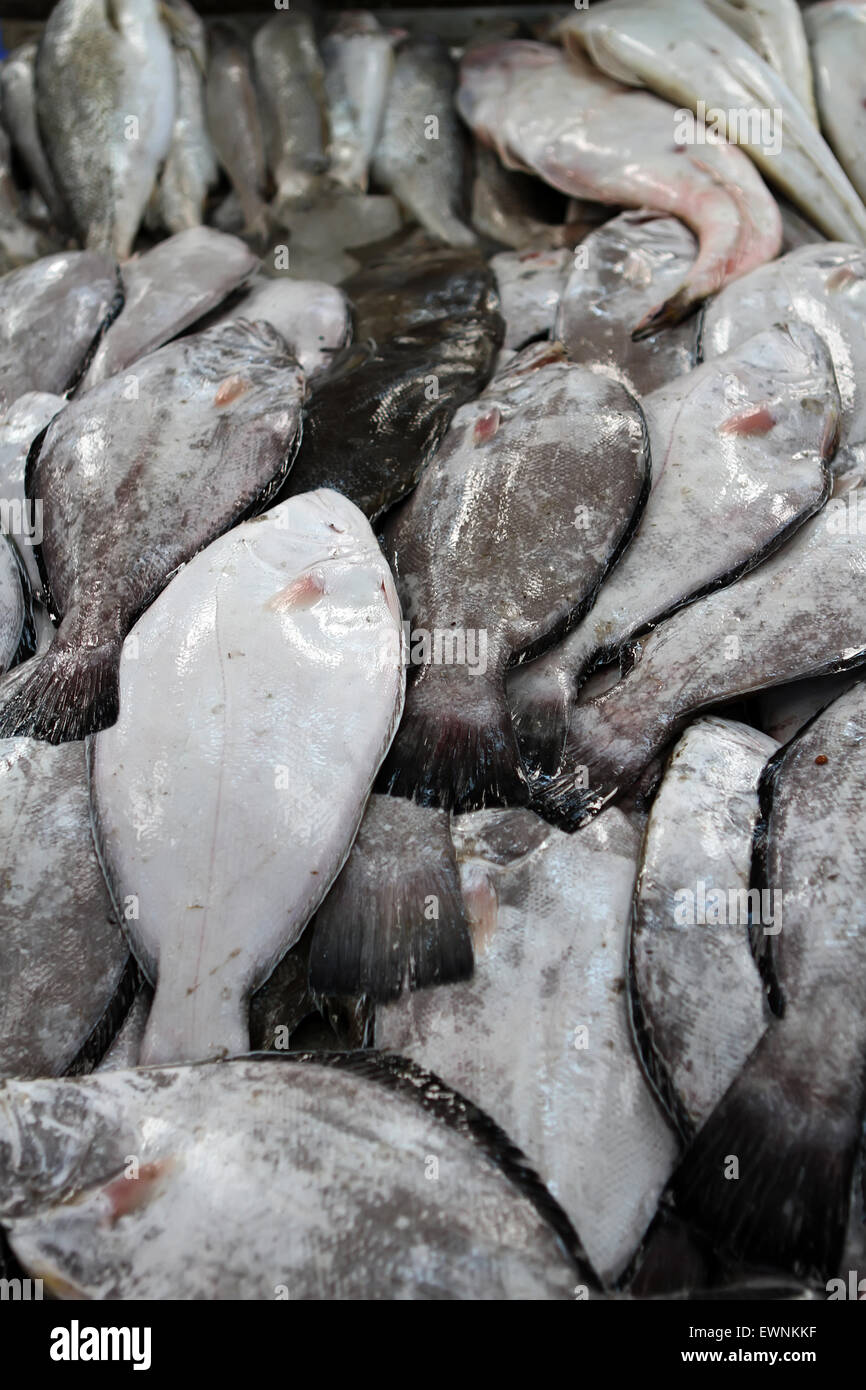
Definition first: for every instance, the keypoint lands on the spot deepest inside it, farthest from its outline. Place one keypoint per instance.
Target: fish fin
(111, 15)
(69, 692)
(565, 801)
(672, 311)
(787, 1207)
(540, 702)
(456, 747)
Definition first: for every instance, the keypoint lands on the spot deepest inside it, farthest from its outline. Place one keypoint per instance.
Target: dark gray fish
(793, 1118)
(134, 482)
(191, 167)
(234, 122)
(411, 279)
(290, 81)
(530, 285)
(18, 97)
(50, 315)
(13, 605)
(784, 710)
(165, 290)
(398, 1188)
(66, 967)
(505, 205)
(126, 1044)
(798, 614)
(23, 421)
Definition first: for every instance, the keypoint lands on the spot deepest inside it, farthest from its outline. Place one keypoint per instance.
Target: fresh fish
(786, 709)
(296, 657)
(66, 968)
(774, 28)
(618, 275)
(126, 1045)
(51, 314)
(377, 417)
(235, 125)
(590, 137)
(794, 1116)
(421, 155)
(167, 289)
(291, 85)
(398, 1188)
(414, 279)
(797, 231)
(697, 1000)
(825, 286)
(133, 483)
(505, 207)
(394, 918)
(551, 1054)
(796, 615)
(530, 285)
(359, 58)
(740, 451)
(26, 418)
(837, 34)
(18, 98)
(105, 97)
(13, 606)
(191, 166)
(313, 317)
(690, 57)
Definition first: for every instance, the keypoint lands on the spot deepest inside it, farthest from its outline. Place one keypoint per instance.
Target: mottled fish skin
(424, 170)
(313, 317)
(296, 660)
(686, 54)
(530, 284)
(774, 28)
(551, 1053)
(415, 279)
(837, 34)
(18, 97)
(133, 484)
(394, 918)
(165, 290)
(191, 165)
(798, 614)
(786, 709)
(63, 957)
(235, 126)
(794, 1116)
(358, 56)
(340, 1142)
(619, 273)
(697, 999)
(740, 451)
(97, 67)
(290, 81)
(825, 286)
(13, 603)
(51, 313)
(560, 118)
(22, 422)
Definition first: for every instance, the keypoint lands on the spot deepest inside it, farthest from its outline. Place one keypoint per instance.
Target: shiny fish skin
(774, 28)
(561, 118)
(290, 81)
(337, 1142)
(13, 607)
(697, 997)
(530, 285)
(22, 422)
(358, 55)
(504, 206)
(132, 487)
(313, 317)
(794, 1116)
(837, 33)
(18, 96)
(96, 67)
(235, 124)
(295, 661)
(190, 167)
(786, 709)
(63, 958)
(414, 279)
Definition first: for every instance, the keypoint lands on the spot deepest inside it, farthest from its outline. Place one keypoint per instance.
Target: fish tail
(665, 315)
(195, 1024)
(456, 747)
(67, 693)
(540, 696)
(768, 1177)
(565, 800)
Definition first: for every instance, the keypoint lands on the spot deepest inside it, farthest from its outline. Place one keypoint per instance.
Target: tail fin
(565, 800)
(540, 696)
(69, 692)
(207, 1022)
(456, 747)
(784, 1203)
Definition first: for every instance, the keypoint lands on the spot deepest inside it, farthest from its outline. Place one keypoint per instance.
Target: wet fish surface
(530, 286)
(837, 34)
(413, 279)
(18, 96)
(774, 28)
(22, 422)
(311, 316)
(290, 81)
(296, 658)
(235, 124)
(190, 168)
(358, 56)
(133, 484)
(13, 604)
(505, 206)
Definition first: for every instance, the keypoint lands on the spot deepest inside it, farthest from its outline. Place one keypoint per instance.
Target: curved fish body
(618, 274)
(191, 166)
(105, 93)
(290, 81)
(358, 56)
(551, 1054)
(51, 313)
(65, 964)
(339, 1142)
(13, 604)
(795, 1113)
(590, 137)
(692, 58)
(825, 286)
(697, 998)
(505, 206)
(837, 33)
(235, 125)
(740, 450)
(415, 279)
(530, 285)
(295, 626)
(24, 420)
(782, 712)
(775, 29)
(798, 614)
(133, 483)
(420, 156)
(313, 317)
(18, 98)
(164, 291)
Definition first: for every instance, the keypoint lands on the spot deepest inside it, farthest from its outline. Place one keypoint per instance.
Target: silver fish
(235, 126)
(530, 283)
(291, 84)
(352, 1146)
(105, 94)
(65, 964)
(190, 167)
(23, 421)
(837, 34)
(18, 96)
(774, 28)
(135, 477)
(359, 59)
(232, 750)
(313, 317)
(13, 604)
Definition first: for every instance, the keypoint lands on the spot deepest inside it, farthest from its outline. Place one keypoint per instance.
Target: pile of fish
(432, 641)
